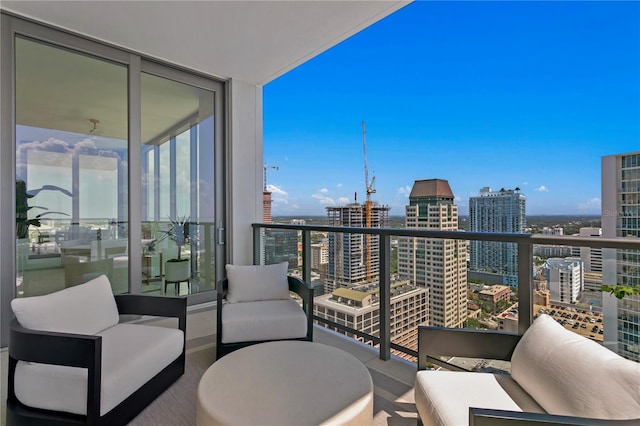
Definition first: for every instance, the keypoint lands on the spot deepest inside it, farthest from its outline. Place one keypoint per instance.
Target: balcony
(390, 361)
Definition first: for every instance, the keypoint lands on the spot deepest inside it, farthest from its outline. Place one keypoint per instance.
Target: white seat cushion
(444, 397)
(132, 354)
(263, 320)
(571, 375)
(248, 283)
(83, 309)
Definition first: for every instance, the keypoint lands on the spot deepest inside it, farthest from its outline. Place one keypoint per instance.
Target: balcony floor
(392, 380)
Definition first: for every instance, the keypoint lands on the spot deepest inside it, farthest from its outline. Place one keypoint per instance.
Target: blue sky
(499, 94)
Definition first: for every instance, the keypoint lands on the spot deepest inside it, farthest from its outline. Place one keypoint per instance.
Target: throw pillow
(83, 309)
(568, 374)
(257, 282)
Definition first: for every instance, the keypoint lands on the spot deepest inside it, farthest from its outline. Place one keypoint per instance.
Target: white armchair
(254, 305)
(72, 362)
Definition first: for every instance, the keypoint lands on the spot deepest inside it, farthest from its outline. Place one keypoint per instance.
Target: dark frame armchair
(434, 342)
(296, 285)
(85, 351)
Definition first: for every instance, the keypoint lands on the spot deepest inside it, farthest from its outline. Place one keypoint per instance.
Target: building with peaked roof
(436, 264)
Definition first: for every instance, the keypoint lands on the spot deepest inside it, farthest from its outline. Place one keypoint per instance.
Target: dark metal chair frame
(85, 351)
(434, 342)
(296, 285)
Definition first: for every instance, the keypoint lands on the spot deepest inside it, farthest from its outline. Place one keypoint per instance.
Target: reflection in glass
(177, 186)
(71, 169)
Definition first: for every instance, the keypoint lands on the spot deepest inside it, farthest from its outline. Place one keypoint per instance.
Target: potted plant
(22, 207)
(177, 269)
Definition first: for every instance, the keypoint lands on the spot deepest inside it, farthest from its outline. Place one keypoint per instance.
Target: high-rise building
(621, 218)
(278, 245)
(436, 264)
(591, 257)
(565, 278)
(319, 255)
(347, 265)
(496, 211)
(266, 206)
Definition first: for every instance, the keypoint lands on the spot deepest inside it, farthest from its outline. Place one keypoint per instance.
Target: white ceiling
(253, 41)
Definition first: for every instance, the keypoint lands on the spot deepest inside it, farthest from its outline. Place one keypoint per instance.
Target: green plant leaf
(620, 291)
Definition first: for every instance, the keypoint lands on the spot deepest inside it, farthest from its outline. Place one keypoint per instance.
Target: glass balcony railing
(376, 285)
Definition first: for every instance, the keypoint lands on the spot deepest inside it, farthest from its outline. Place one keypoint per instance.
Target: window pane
(177, 187)
(71, 169)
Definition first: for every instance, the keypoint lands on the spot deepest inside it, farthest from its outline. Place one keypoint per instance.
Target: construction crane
(265, 167)
(367, 205)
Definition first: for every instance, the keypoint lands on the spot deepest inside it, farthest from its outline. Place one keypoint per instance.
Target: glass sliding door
(177, 161)
(71, 113)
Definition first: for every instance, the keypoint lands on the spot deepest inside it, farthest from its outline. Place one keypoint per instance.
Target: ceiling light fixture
(95, 123)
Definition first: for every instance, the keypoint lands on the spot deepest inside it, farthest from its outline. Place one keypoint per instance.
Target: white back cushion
(83, 309)
(568, 374)
(257, 282)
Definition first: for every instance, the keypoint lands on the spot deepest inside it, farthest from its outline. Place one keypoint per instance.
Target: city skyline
(498, 94)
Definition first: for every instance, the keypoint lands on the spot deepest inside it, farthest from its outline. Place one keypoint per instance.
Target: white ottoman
(286, 383)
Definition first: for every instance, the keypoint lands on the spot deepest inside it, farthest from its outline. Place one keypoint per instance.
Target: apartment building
(591, 257)
(496, 211)
(347, 266)
(621, 218)
(359, 308)
(319, 255)
(436, 264)
(495, 293)
(565, 278)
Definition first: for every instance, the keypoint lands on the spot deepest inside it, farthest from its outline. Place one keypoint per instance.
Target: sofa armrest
(68, 349)
(47, 347)
(486, 417)
(306, 292)
(175, 307)
(489, 344)
(302, 289)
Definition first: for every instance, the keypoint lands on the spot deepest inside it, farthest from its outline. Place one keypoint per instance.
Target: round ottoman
(286, 383)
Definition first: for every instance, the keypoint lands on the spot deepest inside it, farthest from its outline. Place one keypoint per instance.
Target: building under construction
(353, 257)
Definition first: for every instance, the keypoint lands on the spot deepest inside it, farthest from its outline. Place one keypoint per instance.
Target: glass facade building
(496, 211)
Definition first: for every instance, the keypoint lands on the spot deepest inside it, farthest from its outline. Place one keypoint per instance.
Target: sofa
(71, 360)
(255, 305)
(556, 377)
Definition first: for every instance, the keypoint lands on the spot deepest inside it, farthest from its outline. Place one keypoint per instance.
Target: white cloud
(323, 190)
(275, 190)
(541, 188)
(278, 195)
(404, 191)
(323, 199)
(343, 200)
(525, 183)
(339, 185)
(590, 206)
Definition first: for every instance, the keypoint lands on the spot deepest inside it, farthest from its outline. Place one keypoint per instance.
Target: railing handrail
(626, 243)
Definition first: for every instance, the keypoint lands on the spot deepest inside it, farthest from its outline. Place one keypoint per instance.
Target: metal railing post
(306, 256)
(525, 285)
(385, 297)
(257, 244)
